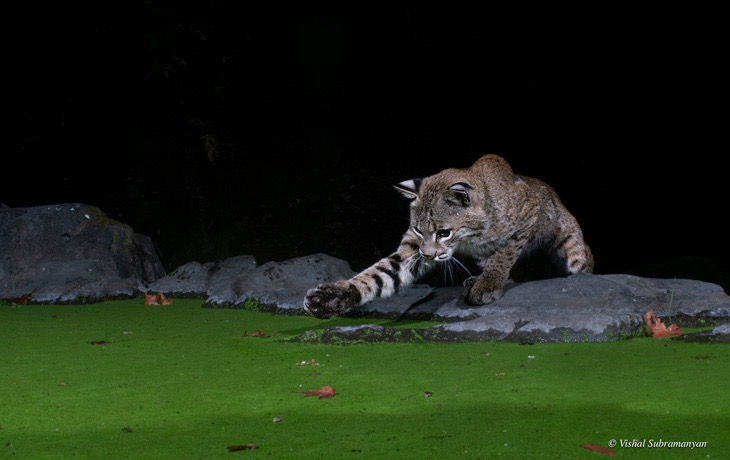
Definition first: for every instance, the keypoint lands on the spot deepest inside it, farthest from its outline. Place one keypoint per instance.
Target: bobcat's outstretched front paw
(481, 292)
(328, 300)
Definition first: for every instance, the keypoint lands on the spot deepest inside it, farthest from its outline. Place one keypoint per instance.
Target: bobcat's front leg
(380, 280)
(489, 285)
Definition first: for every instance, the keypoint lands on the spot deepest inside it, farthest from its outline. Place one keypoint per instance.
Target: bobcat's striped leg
(382, 279)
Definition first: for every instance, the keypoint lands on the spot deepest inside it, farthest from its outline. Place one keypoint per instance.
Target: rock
(71, 253)
(210, 280)
(593, 308)
(233, 282)
(284, 284)
(189, 280)
(720, 334)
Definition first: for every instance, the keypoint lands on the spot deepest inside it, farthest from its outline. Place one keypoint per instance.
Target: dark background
(226, 128)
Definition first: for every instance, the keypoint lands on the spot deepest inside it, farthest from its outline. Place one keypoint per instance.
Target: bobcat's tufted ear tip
(409, 188)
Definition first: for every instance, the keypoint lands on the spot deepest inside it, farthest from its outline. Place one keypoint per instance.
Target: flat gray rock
(577, 308)
(593, 308)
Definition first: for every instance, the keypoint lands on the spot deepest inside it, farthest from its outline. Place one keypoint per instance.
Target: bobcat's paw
(481, 293)
(328, 300)
(469, 282)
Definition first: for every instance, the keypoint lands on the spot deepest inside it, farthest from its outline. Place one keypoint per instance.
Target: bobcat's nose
(435, 255)
(427, 255)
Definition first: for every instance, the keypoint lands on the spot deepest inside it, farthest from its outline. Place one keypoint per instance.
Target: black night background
(277, 129)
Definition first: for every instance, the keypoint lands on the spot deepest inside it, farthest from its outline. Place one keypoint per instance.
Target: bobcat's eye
(443, 233)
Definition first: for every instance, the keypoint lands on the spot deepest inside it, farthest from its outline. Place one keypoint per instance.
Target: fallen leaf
(325, 392)
(21, 300)
(277, 419)
(501, 373)
(314, 373)
(127, 429)
(61, 384)
(597, 448)
(99, 342)
(427, 394)
(659, 329)
(258, 333)
(485, 353)
(705, 357)
(245, 447)
(162, 300)
(150, 299)
(308, 363)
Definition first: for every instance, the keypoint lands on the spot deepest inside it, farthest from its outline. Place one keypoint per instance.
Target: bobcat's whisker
(463, 267)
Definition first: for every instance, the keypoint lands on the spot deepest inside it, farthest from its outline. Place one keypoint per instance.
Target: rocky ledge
(593, 308)
(73, 253)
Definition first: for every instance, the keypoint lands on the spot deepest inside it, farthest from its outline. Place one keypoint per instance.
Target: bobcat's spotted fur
(485, 211)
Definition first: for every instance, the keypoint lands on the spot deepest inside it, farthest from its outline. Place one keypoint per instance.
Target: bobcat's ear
(409, 188)
(458, 194)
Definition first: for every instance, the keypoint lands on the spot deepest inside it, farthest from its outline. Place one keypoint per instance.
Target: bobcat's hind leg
(573, 248)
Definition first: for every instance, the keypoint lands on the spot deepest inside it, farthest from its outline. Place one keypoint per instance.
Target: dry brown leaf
(162, 300)
(597, 448)
(258, 333)
(325, 392)
(21, 300)
(150, 299)
(659, 329)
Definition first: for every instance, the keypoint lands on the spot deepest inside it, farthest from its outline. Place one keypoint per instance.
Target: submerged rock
(71, 253)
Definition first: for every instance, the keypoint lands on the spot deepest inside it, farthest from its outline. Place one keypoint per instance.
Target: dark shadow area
(227, 128)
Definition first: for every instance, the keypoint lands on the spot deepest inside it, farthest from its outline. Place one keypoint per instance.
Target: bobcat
(485, 211)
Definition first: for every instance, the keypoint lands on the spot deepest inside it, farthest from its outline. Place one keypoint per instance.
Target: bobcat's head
(442, 214)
